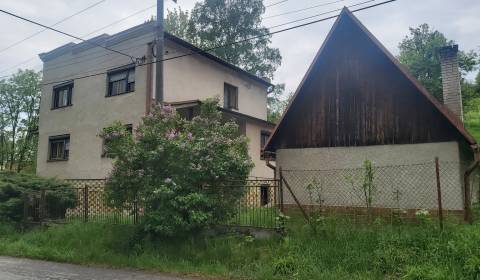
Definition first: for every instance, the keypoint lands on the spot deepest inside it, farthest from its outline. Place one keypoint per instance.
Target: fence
(391, 192)
(258, 206)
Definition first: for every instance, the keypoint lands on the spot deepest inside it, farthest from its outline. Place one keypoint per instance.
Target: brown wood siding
(356, 96)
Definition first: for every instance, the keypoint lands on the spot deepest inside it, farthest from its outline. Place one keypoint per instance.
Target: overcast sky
(459, 20)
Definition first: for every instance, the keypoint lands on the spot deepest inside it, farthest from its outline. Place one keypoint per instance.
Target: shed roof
(347, 15)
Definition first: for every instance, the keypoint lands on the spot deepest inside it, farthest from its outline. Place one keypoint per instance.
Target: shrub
(178, 169)
(14, 185)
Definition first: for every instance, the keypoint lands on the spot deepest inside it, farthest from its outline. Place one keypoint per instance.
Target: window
(230, 96)
(121, 81)
(264, 135)
(129, 129)
(59, 147)
(62, 96)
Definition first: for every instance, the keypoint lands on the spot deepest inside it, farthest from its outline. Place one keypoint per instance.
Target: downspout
(468, 217)
(268, 156)
(149, 86)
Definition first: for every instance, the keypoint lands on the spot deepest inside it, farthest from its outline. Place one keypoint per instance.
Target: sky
(459, 20)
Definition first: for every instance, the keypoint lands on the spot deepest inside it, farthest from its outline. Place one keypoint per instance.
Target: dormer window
(62, 96)
(230, 96)
(121, 81)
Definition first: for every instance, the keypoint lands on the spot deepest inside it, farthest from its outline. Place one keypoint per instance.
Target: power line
(321, 14)
(304, 9)
(56, 23)
(276, 3)
(102, 28)
(65, 33)
(228, 44)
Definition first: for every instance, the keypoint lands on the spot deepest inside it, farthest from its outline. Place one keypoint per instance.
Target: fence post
(135, 212)
(42, 206)
(299, 205)
(468, 217)
(281, 191)
(85, 203)
(25, 207)
(439, 193)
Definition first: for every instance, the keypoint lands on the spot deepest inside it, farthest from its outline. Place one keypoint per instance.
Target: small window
(129, 129)
(120, 82)
(230, 96)
(59, 147)
(62, 96)
(264, 135)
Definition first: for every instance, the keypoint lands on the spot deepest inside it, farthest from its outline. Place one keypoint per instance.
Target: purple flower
(170, 134)
(190, 136)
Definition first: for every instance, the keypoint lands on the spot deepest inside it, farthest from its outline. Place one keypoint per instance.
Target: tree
(214, 23)
(419, 52)
(276, 103)
(178, 169)
(19, 105)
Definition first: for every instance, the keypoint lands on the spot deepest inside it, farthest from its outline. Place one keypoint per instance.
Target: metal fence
(258, 206)
(393, 193)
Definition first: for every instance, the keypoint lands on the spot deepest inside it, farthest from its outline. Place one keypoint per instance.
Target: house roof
(145, 28)
(449, 116)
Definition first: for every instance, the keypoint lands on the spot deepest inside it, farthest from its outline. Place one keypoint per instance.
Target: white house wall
(405, 177)
(188, 78)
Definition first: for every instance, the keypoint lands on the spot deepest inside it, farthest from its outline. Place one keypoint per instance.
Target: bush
(178, 169)
(13, 186)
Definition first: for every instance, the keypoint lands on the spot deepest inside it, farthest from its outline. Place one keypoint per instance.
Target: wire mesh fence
(88, 202)
(393, 193)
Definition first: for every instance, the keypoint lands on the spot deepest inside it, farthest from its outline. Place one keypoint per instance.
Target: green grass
(337, 251)
(472, 120)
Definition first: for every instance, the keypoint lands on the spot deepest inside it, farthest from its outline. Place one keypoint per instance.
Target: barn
(357, 102)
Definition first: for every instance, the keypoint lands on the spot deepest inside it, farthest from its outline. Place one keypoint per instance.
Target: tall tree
(419, 52)
(19, 105)
(213, 23)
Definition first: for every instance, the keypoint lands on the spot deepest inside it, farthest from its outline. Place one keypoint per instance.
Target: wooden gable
(356, 93)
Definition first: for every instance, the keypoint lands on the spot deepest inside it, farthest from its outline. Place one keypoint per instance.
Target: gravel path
(25, 269)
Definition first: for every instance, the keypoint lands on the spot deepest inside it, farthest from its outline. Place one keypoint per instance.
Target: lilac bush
(178, 169)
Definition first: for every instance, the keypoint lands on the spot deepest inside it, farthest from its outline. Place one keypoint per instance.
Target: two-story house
(86, 88)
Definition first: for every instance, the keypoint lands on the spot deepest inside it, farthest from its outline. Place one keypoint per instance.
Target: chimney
(452, 95)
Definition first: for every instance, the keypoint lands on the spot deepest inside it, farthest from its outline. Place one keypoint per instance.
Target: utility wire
(65, 33)
(321, 14)
(90, 57)
(227, 44)
(304, 9)
(56, 23)
(99, 29)
(276, 3)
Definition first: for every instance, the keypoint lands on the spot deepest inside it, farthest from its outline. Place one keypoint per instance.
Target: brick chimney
(452, 95)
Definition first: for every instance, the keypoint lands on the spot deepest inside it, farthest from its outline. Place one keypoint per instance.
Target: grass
(472, 120)
(336, 251)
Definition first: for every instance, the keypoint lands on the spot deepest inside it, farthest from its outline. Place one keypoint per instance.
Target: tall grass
(336, 251)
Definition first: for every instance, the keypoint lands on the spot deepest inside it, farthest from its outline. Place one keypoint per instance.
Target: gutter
(468, 217)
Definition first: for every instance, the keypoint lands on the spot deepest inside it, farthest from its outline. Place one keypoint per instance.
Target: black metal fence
(87, 202)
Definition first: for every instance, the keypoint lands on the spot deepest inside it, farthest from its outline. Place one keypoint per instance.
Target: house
(357, 102)
(86, 88)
